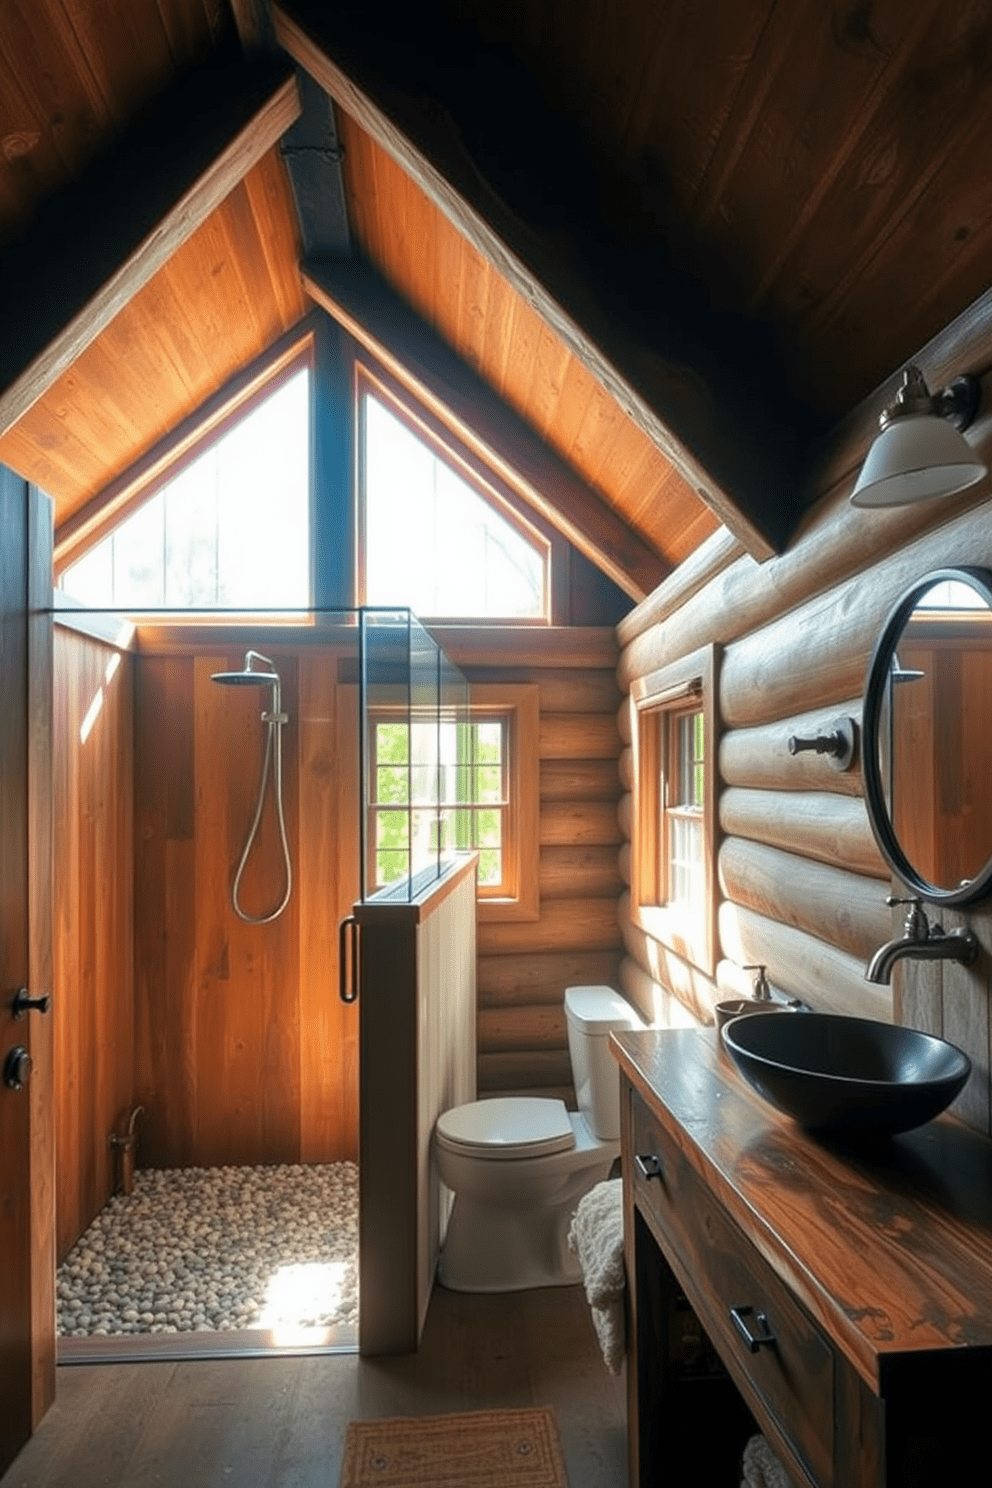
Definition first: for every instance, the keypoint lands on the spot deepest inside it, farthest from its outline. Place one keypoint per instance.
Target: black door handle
(348, 959)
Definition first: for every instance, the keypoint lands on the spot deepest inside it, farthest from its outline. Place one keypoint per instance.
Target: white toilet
(519, 1165)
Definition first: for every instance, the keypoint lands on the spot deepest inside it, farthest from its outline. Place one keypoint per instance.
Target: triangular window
(439, 538)
(230, 529)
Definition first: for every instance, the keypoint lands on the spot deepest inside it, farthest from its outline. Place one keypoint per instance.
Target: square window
(485, 797)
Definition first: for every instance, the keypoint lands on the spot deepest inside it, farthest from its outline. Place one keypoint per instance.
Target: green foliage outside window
(456, 802)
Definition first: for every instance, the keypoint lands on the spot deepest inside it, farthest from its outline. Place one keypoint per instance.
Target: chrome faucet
(921, 941)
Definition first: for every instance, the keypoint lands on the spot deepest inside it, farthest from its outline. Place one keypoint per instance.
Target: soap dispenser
(761, 991)
(760, 1000)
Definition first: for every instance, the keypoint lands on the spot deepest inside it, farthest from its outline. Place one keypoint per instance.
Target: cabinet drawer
(787, 1370)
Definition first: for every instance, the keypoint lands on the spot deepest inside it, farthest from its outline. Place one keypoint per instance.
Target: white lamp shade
(915, 457)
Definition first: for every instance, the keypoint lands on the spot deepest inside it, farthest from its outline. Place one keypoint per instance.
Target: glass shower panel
(425, 728)
(413, 709)
(455, 775)
(385, 751)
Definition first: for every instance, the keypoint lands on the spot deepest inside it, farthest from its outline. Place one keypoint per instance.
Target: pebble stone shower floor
(207, 1250)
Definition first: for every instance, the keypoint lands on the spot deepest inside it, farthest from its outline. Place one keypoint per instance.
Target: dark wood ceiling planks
(73, 75)
(811, 174)
(816, 166)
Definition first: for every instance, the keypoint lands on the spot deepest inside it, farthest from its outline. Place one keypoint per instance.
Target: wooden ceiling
(680, 242)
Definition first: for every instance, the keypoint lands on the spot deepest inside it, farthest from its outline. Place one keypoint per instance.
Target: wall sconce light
(921, 451)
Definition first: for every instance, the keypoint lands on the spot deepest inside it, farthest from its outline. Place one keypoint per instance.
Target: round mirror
(927, 727)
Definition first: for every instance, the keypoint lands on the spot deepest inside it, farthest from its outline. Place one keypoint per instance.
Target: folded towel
(596, 1237)
(761, 1468)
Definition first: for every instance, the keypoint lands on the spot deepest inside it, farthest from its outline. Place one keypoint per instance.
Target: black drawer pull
(649, 1166)
(763, 1338)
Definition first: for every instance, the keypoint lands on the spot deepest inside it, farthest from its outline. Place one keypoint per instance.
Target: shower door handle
(348, 941)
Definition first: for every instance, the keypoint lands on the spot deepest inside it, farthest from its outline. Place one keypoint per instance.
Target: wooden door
(27, 1165)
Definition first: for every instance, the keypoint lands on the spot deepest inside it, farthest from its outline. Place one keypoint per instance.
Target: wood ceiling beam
(94, 245)
(695, 389)
(364, 304)
(311, 150)
(312, 153)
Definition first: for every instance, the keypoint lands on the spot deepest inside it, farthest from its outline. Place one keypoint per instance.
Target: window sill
(488, 910)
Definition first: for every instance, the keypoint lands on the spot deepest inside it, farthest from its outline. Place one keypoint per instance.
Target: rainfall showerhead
(246, 677)
(243, 679)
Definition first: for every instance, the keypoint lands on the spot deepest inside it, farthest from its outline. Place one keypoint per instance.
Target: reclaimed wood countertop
(888, 1244)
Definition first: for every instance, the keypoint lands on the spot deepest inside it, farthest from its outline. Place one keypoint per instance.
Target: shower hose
(275, 719)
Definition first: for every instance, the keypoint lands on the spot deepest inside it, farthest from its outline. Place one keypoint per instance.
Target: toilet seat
(507, 1127)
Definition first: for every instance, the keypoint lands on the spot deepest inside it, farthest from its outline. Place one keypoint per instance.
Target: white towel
(761, 1468)
(596, 1237)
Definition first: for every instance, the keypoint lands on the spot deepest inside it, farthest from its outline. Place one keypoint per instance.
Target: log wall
(92, 983)
(524, 966)
(801, 883)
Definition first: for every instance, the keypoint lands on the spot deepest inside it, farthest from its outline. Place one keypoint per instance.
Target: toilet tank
(592, 1013)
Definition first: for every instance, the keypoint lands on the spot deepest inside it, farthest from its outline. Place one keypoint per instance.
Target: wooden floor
(279, 1422)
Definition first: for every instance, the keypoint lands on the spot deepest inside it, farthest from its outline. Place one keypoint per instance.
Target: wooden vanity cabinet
(844, 1295)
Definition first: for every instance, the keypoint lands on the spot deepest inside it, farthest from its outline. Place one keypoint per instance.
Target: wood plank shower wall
(243, 1051)
(802, 885)
(231, 1037)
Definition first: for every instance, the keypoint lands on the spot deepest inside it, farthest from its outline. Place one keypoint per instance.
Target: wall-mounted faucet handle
(839, 745)
(917, 926)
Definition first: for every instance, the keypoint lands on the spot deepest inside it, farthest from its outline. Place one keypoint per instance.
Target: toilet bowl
(518, 1165)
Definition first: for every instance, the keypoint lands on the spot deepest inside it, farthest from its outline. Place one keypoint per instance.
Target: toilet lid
(599, 1010)
(507, 1126)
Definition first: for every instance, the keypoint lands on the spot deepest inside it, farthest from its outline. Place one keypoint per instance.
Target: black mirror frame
(980, 579)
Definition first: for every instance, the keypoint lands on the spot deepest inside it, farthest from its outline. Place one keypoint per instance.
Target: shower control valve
(24, 1003)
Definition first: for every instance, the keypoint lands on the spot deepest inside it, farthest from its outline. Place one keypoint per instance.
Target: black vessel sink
(847, 1075)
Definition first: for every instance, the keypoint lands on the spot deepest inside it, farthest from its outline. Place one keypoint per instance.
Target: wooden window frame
(684, 686)
(518, 705)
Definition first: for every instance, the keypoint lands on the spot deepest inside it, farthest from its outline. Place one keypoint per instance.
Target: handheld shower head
(274, 719)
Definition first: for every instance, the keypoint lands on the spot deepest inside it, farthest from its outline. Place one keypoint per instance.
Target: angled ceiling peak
(697, 383)
(355, 295)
